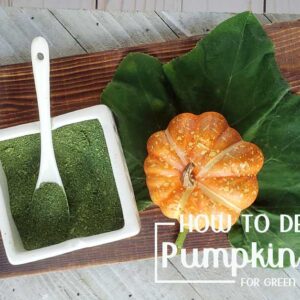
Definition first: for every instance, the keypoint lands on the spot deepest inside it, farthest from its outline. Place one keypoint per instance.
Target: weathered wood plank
(18, 28)
(145, 5)
(274, 292)
(275, 18)
(287, 44)
(223, 6)
(236, 291)
(144, 270)
(194, 23)
(183, 5)
(294, 273)
(110, 5)
(283, 7)
(78, 4)
(104, 30)
(132, 280)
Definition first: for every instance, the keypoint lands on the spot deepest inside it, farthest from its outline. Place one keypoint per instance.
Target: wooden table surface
(103, 31)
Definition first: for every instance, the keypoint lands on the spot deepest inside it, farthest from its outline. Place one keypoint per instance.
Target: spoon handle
(41, 72)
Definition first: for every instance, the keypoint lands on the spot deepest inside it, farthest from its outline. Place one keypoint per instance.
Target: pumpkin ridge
(172, 144)
(216, 159)
(216, 198)
(173, 161)
(209, 149)
(184, 199)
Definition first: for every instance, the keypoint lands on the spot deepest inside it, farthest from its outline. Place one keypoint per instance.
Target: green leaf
(140, 100)
(279, 180)
(233, 71)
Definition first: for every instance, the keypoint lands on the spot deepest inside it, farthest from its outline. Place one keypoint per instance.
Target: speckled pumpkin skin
(223, 175)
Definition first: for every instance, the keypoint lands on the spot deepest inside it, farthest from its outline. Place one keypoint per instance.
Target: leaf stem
(180, 239)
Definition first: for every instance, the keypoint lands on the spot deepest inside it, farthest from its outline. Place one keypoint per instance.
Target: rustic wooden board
(76, 82)
(139, 247)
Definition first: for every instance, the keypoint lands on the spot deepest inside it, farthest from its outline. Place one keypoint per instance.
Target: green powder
(48, 215)
(86, 172)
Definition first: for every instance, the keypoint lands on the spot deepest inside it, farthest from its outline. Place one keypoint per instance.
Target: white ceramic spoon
(41, 71)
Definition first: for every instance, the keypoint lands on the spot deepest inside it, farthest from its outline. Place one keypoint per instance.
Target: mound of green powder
(49, 213)
(85, 168)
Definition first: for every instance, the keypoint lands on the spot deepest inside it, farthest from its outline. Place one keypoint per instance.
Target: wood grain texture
(225, 6)
(71, 4)
(182, 5)
(283, 6)
(286, 37)
(198, 23)
(76, 82)
(104, 30)
(275, 18)
(236, 291)
(145, 5)
(19, 26)
(134, 281)
(139, 247)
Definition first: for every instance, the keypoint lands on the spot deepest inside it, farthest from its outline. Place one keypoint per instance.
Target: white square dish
(13, 245)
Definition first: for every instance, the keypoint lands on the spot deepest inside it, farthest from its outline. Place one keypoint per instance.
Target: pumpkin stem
(180, 240)
(188, 179)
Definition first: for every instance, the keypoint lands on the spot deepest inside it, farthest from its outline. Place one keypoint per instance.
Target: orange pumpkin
(200, 165)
